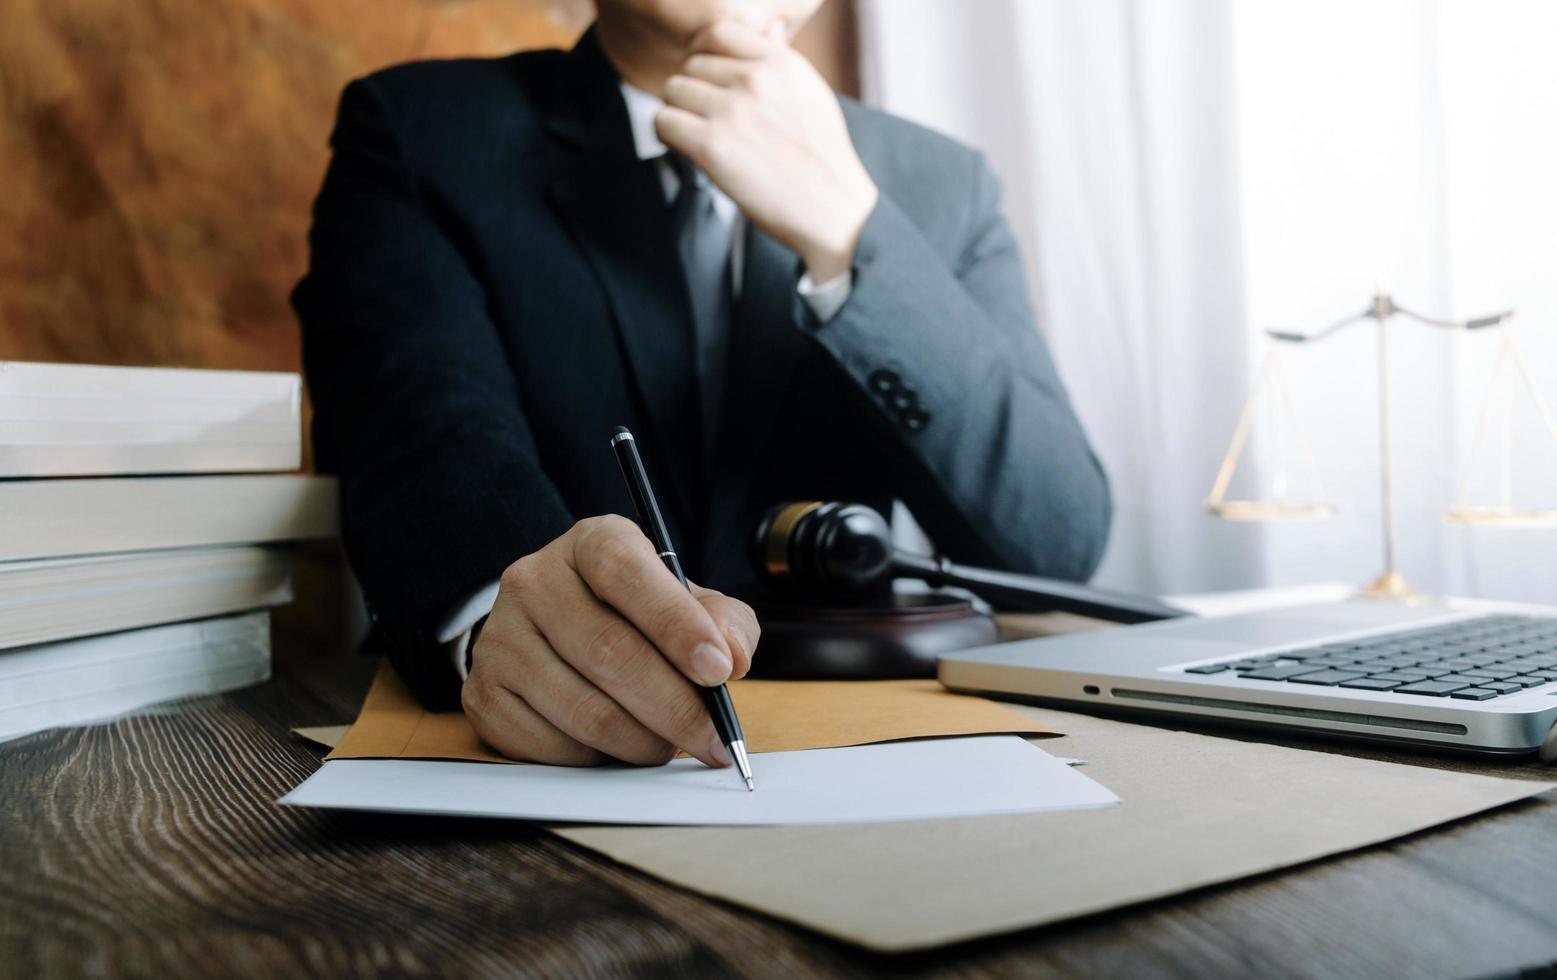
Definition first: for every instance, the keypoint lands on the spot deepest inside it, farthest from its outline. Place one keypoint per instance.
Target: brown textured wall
(158, 157)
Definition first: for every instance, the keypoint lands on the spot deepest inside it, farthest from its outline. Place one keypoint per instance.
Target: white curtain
(1110, 125)
(1406, 145)
(1182, 174)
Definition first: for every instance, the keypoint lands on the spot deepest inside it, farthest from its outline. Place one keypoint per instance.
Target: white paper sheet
(897, 781)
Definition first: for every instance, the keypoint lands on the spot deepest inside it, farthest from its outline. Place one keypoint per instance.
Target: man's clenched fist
(592, 650)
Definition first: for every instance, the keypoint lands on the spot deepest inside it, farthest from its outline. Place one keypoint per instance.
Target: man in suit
(678, 227)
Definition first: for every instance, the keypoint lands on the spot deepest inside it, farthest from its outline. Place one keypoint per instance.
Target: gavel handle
(1010, 592)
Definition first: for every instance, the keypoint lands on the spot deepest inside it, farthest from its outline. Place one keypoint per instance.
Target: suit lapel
(766, 346)
(614, 206)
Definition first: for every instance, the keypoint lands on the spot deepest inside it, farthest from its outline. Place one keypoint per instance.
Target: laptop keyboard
(1472, 660)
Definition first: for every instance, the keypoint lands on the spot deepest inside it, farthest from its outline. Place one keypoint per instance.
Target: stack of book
(136, 564)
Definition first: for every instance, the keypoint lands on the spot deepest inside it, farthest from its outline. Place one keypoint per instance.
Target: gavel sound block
(895, 636)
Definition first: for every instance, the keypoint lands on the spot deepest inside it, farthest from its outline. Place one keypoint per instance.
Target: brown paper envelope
(777, 716)
(1198, 810)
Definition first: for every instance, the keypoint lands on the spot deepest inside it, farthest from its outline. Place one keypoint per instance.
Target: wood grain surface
(151, 847)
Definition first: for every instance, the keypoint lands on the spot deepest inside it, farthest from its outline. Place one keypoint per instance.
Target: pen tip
(742, 763)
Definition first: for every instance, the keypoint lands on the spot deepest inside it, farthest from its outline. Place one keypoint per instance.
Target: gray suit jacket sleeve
(939, 336)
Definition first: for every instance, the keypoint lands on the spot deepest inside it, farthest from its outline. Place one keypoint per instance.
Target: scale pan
(1502, 516)
(1263, 510)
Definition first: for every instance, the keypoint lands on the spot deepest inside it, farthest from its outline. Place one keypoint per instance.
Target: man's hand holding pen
(754, 115)
(592, 652)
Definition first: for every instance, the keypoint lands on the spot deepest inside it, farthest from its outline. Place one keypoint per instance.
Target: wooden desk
(151, 847)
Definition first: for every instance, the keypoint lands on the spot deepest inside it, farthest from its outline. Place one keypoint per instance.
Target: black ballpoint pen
(717, 699)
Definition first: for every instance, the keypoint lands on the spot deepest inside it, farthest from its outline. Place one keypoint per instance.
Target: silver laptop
(1419, 675)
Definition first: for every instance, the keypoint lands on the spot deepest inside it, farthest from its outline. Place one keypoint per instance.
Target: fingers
(715, 69)
(504, 721)
(570, 703)
(739, 623)
(683, 131)
(620, 566)
(607, 654)
(695, 95)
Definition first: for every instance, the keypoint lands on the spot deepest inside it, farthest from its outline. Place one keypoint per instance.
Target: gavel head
(832, 549)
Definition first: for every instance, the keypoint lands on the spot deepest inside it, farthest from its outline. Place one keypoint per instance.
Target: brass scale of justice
(1510, 375)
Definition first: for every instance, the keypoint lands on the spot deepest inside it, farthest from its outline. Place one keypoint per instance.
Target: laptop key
(1456, 664)
(1372, 683)
(1394, 661)
(1328, 678)
(1423, 672)
(1473, 694)
(1277, 673)
(1330, 661)
(1206, 669)
(1491, 673)
(1502, 687)
(1376, 666)
(1523, 666)
(1527, 681)
(1435, 689)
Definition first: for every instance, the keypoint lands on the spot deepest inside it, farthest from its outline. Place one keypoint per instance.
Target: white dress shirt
(824, 300)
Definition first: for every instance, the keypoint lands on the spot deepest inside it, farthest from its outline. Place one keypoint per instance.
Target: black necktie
(704, 243)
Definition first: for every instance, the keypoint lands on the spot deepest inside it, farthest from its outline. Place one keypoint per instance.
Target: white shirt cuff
(455, 632)
(826, 299)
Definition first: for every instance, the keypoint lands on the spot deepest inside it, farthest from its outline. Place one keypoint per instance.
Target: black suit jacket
(494, 286)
